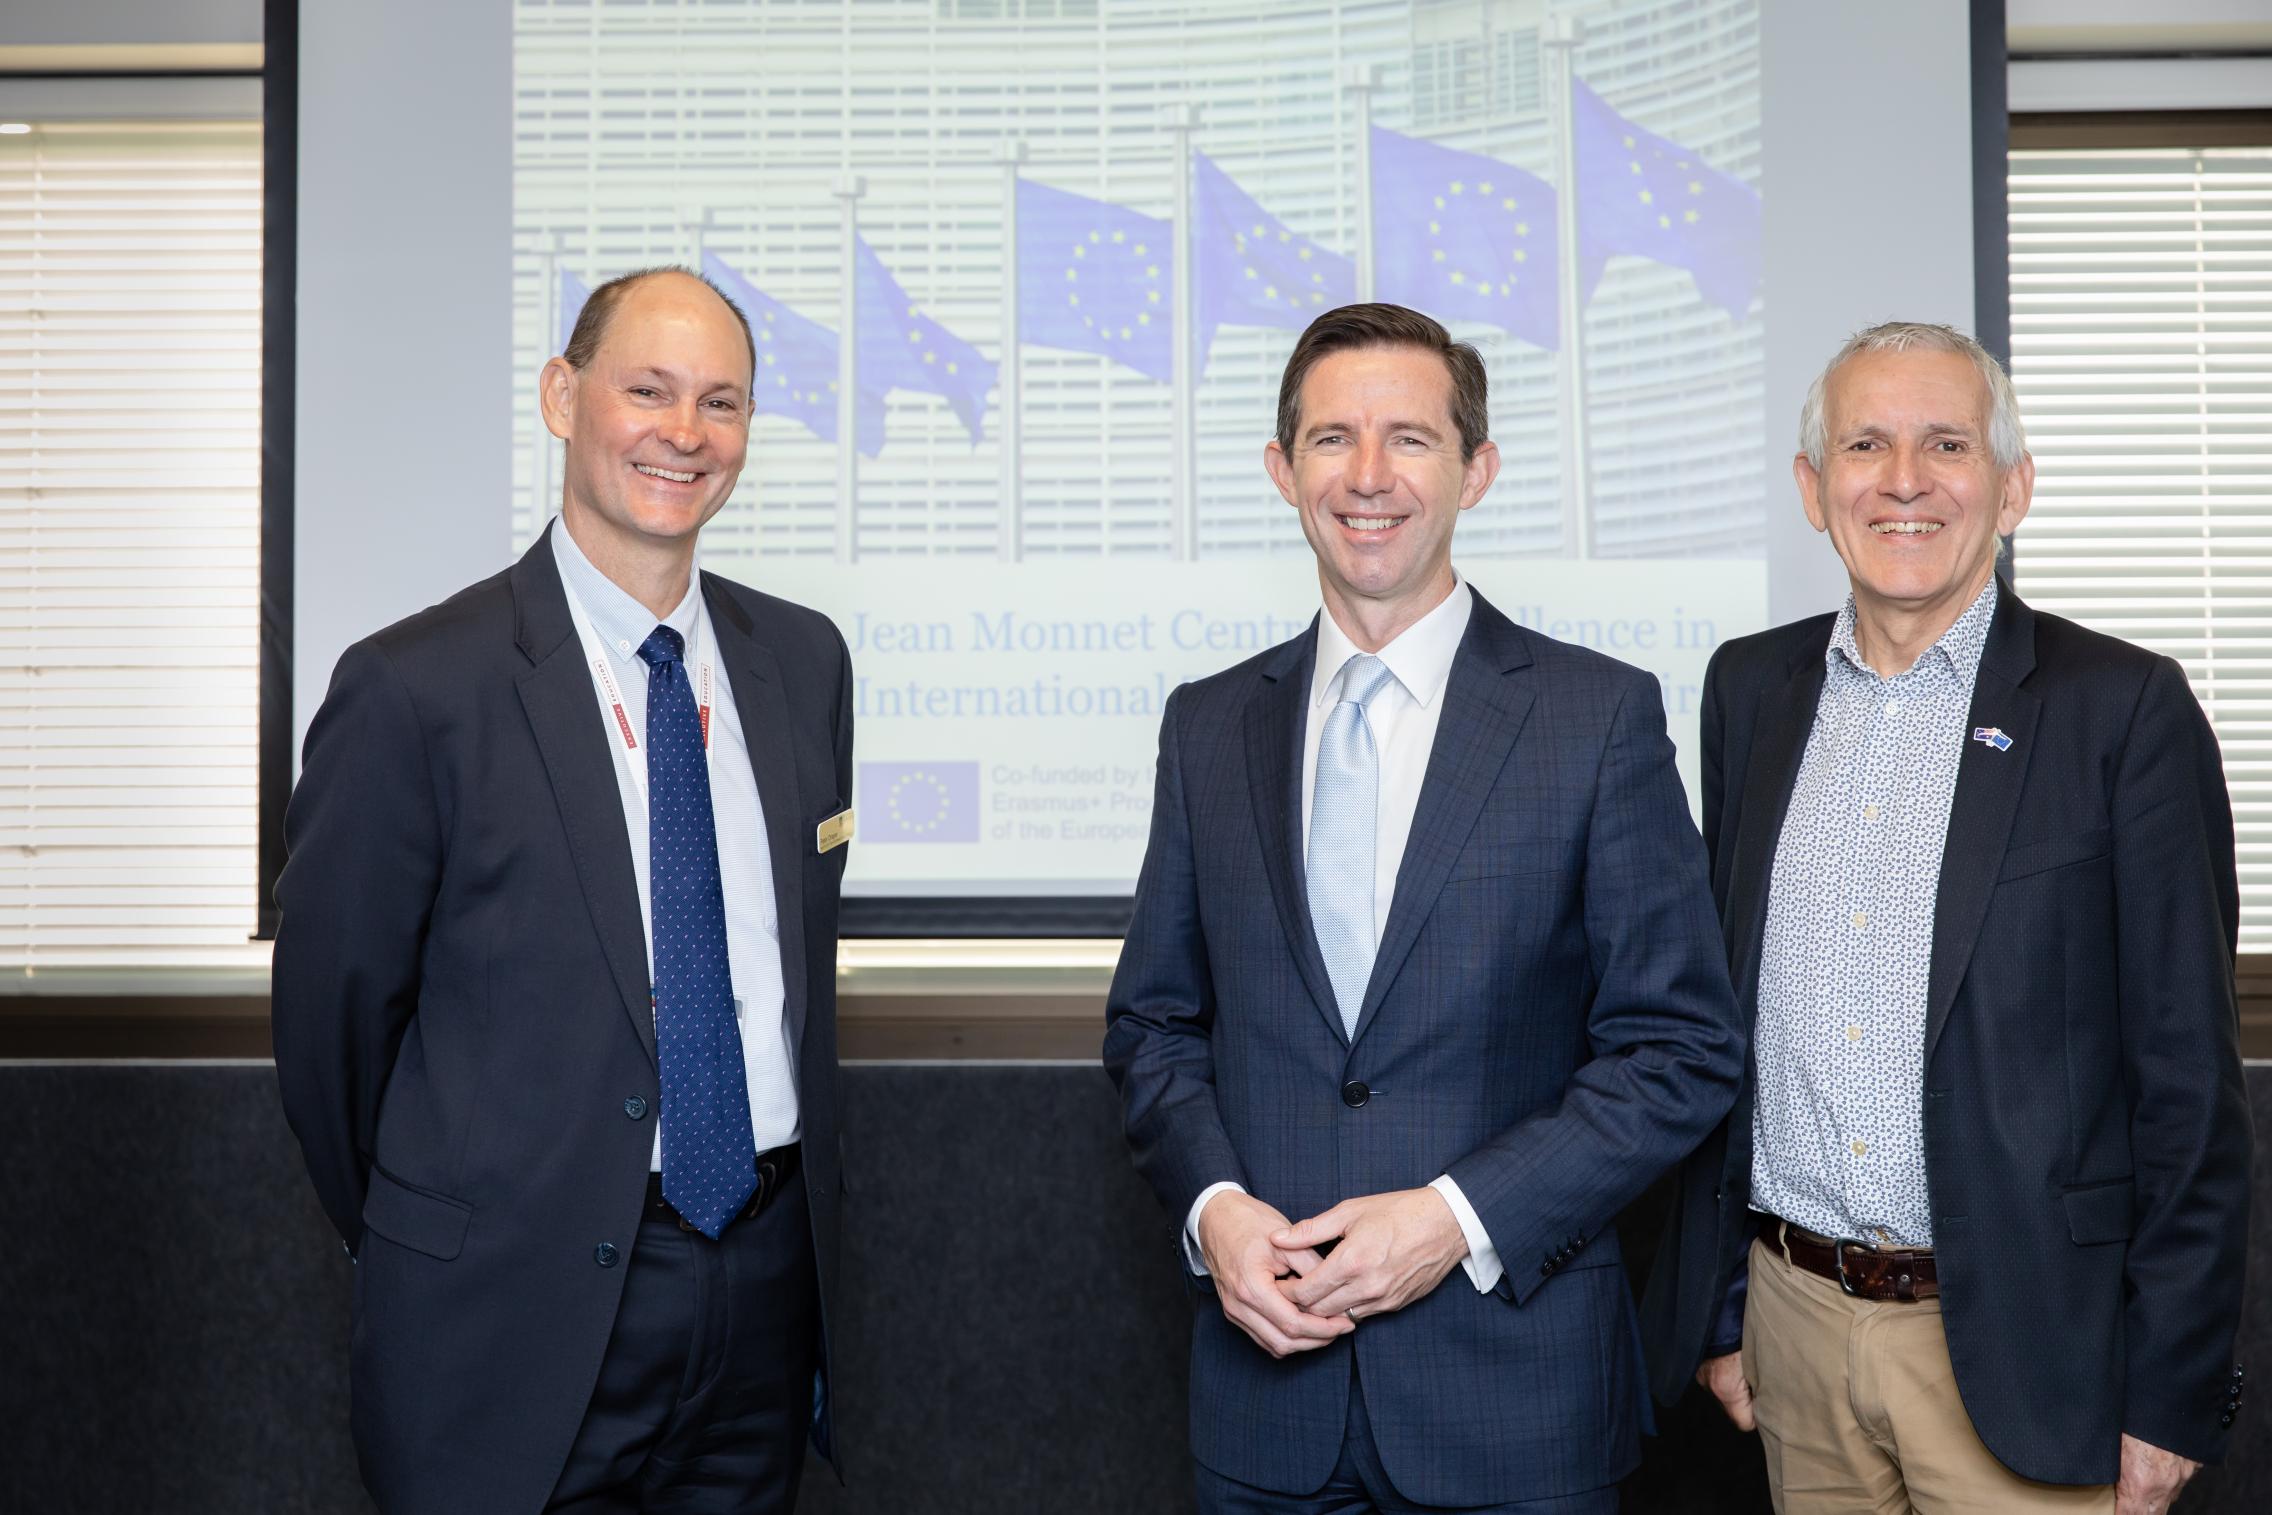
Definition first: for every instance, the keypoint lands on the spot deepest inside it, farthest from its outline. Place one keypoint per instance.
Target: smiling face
(657, 422)
(1378, 480)
(1908, 490)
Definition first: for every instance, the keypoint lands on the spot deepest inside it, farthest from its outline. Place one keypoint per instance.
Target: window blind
(130, 263)
(2142, 353)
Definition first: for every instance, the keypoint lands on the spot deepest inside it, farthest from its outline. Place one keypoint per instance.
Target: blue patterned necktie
(709, 1158)
(1344, 820)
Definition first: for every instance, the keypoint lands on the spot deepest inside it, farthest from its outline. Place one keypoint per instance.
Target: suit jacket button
(2225, 1419)
(635, 1107)
(1354, 1094)
(1545, 1268)
(605, 1254)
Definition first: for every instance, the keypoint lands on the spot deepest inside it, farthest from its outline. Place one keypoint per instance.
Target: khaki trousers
(1858, 1407)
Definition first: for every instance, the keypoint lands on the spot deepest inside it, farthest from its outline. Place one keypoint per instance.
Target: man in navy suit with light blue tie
(1423, 977)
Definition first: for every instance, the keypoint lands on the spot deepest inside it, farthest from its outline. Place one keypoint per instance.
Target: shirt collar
(619, 619)
(1419, 657)
(1958, 650)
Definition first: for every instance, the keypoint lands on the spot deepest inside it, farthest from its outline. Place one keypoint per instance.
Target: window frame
(2084, 130)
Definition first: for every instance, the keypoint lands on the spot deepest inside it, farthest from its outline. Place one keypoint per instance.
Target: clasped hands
(1274, 1284)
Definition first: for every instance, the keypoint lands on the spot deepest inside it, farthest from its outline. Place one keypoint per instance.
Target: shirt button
(1861, 1149)
(1893, 707)
(1861, 920)
(1869, 812)
(622, 646)
(1853, 1033)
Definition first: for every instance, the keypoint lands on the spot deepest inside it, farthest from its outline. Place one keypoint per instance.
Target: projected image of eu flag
(573, 294)
(1250, 268)
(918, 802)
(901, 348)
(796, 363)
(1095, 277)
(1463, 237)
(1643, 195)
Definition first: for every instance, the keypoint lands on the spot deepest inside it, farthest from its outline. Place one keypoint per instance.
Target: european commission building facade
(662, 132)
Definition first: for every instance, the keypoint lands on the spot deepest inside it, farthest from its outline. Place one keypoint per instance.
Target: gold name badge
(833, 832)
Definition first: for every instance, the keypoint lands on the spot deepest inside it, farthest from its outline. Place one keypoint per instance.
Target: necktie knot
(1363, 677)
(663, 645)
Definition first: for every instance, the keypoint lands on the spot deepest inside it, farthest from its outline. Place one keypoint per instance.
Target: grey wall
(173, 1308)
(86, 23)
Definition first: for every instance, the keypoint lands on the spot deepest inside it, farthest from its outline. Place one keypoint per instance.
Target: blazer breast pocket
(2055, 852)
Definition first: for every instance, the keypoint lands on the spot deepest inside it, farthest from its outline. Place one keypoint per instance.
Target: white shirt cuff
(1482, 1260)
(1191, 1252)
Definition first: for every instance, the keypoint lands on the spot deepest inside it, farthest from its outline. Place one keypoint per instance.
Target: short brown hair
(1354, 326)
(599, 309)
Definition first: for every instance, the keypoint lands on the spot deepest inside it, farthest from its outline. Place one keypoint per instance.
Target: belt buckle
(1838, 1248)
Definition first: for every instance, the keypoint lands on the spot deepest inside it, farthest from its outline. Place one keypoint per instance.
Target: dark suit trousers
(1360, 1485)
(706, 1392)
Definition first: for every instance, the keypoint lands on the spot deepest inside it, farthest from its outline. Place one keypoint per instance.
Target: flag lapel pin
(1992, 736)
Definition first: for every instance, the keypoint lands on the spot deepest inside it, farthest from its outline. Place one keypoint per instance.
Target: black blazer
(463, 1030)
(2087, 1139)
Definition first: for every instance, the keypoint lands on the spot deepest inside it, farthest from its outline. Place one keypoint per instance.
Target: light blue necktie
(1344, 818)
(709, 1155)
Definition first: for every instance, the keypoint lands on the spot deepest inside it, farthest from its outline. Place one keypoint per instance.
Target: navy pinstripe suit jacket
(1549, 1021)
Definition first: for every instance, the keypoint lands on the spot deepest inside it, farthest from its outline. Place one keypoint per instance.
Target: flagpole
(1561, 37)
(1180, 117)
(1010, 542)
(696, 221)
(849, 189)
(540, 459)
(1361, 79)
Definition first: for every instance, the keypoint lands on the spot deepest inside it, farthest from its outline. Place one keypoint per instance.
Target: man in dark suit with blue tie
(555, 982)
(1422, 977)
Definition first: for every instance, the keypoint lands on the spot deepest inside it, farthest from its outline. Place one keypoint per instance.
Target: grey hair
(2007, 438)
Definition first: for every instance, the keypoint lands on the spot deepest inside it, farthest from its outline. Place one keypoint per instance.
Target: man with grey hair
(1972, 1239)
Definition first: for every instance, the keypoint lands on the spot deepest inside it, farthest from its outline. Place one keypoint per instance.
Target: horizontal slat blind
(129, 545)
(2142, 351)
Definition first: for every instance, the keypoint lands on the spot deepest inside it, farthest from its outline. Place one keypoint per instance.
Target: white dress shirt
(612, 625)
(1403, 717)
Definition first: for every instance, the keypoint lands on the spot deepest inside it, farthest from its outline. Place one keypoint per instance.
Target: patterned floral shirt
(1838, 1129)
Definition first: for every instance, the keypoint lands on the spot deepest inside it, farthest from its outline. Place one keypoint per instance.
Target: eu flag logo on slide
(919, 802)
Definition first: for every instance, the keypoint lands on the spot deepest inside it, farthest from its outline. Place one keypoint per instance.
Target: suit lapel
(1486, 699)
(766, 728)
(1778, 741)
(1275, 724)
(1988, 784)
(556, 695)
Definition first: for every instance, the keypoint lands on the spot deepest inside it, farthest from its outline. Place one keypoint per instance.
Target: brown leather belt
(1866, 1272)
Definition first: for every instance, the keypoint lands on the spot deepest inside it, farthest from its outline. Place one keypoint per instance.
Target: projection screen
(1074, 243)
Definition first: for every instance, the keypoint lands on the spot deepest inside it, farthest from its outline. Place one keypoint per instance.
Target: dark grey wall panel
(173, 1308)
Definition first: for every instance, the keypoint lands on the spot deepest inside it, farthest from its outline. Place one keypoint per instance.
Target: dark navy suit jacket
(2087, 1138)
(1549, 1021)
(462, 1020)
